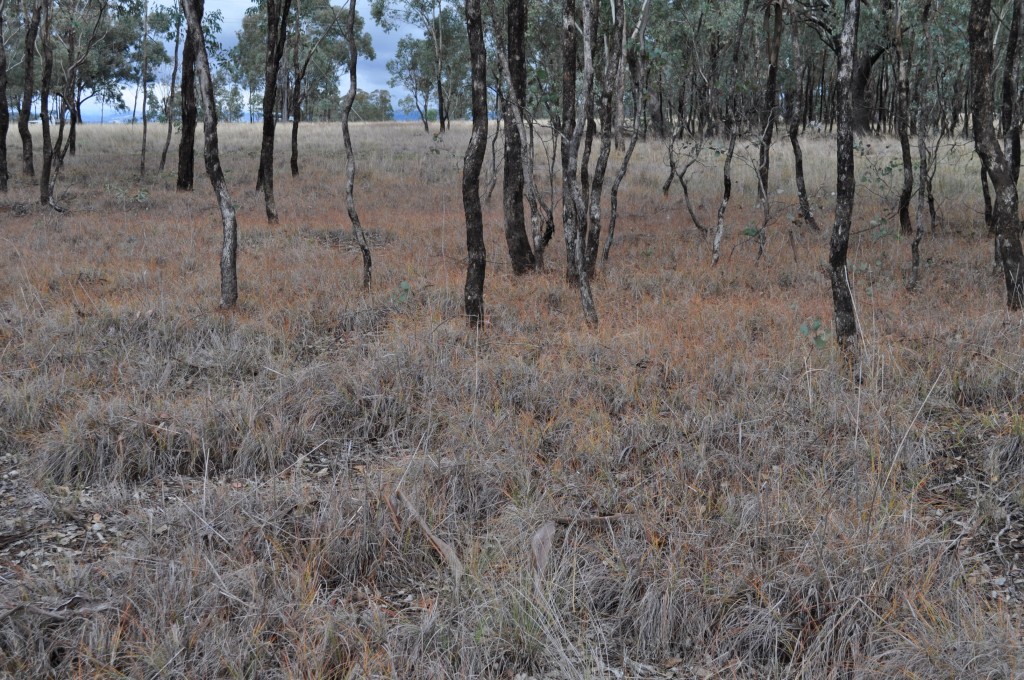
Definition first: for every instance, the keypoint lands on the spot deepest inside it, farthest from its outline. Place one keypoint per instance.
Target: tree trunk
(796, 115)
(1008, 118)
(565, 132)
(5, 111)
(609, 94)
(519, 251)
(170, 95)
(28, 84)
(350, 156)
(995, 160)
(575, 212)
(893, 11)
(145, 87)
(922, 153)
(842, 294)
(296, 92)
(861, 76)
(773, 39)
(187, 143)
(46, 47)
(277, 27)
(716, 247)
(211, 155)
(476, 260)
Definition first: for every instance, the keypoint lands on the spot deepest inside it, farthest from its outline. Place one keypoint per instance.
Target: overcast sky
(373, 75)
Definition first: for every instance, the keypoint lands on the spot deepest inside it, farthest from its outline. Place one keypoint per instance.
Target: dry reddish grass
(725, 500)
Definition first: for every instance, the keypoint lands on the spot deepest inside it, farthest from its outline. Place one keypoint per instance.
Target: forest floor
(329, 483)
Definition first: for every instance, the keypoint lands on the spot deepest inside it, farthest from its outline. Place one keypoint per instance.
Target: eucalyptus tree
(996, 158)
(173, 32)
(409, 69)
(576, 107)
(846, 183)
(78, 26)
(319, 33)
(476, 253)
(211, 156)
(515, 114)
(519, 250)
(189, 113)
(210, 25)
(444, 37)
(352, 40)
(276, 12)
(5, 112)
(31, 15)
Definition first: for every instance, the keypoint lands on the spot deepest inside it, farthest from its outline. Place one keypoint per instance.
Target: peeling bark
(996, 161)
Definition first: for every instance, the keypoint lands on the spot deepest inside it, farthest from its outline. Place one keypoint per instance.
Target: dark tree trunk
(476, 260)
(1009, 122)
(773, 39)
(145, 88)
(862, 109)
(842, 295)
(5, 111)
(568, 118)
(277, 28)
(28, 84)
(295, 97)
(996, 160)
(170, 96)
(519, 251)
(187, 143)
(922, 152)
(894, 14)
(350, 156)
(795, 117)
(609, 95)
(296, 92)
(46, 47)
(211, 155)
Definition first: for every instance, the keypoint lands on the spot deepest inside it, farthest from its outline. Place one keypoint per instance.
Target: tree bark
(277, 28)
(476, 260)
(846, 183)
(773, 39)
(5, 112)
(296, 93)
(170, 96)
(32, 17)
(796, 115)
(575, 212)
(716, 247)
(45, 79)
(211, 156)
(519, 251)
(187, 143)
(145, 91)
(541, 218)
(350, 156)
(996, 161)
(1009, 121)
(609, 94)
(893, 11)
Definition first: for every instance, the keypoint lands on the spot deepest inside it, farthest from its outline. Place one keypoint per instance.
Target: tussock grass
(719, 497)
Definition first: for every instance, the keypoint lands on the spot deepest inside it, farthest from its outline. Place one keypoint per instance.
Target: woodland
(663, 339)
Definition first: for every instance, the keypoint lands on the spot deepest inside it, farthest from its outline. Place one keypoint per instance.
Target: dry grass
(724, 501)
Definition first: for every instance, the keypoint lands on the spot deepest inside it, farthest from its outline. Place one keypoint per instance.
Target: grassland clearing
(325, 483)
